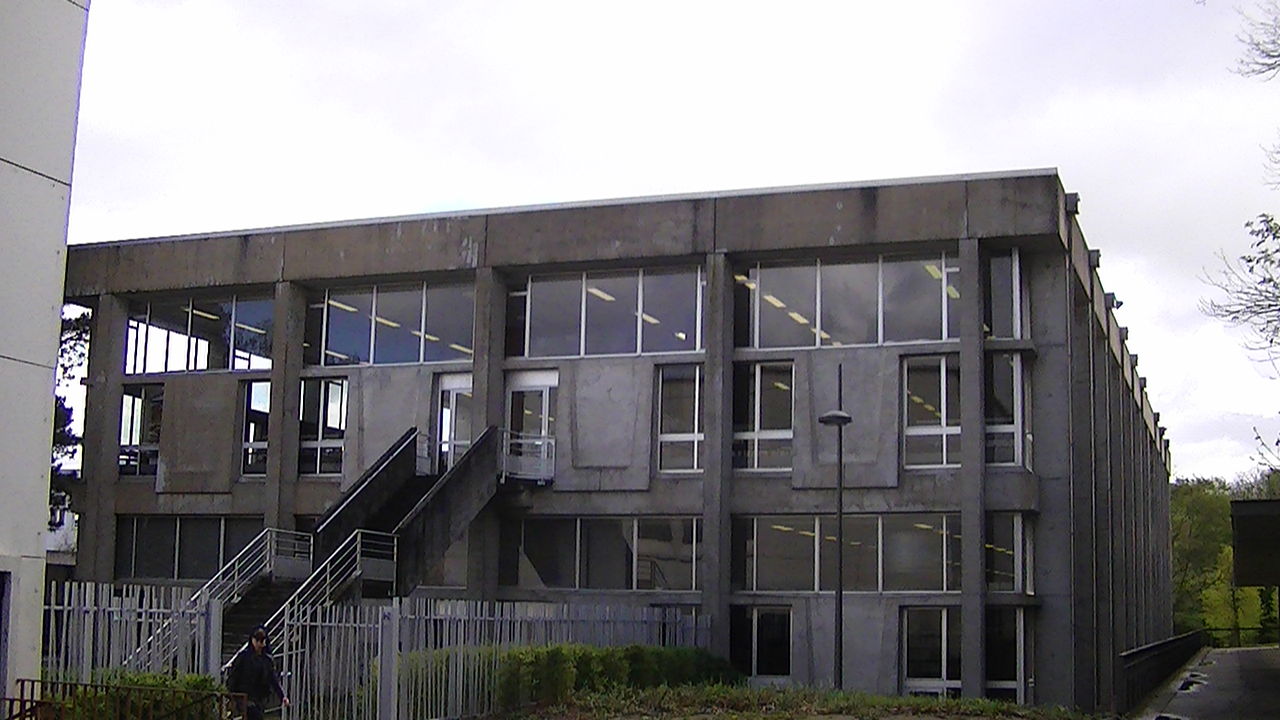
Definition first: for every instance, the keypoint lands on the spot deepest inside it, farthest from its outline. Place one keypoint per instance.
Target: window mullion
(817, 304)
(582, 315)
(640, 312)
(373, 325)
(422, 325)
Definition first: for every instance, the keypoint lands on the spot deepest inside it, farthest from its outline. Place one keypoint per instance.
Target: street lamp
(839, 418)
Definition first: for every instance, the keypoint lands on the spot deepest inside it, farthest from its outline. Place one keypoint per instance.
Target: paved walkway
(1227, 684)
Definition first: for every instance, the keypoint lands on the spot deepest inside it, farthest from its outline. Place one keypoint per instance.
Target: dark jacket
(254, 674)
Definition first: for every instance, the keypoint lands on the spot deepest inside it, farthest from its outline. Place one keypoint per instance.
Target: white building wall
(41, 49)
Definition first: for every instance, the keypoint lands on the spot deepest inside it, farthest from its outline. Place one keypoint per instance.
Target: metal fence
(1143, 669)
(91, 627)
(422, 658)
(49, 700)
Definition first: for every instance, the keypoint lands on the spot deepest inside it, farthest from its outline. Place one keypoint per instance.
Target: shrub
(549, 674)
(125, 695)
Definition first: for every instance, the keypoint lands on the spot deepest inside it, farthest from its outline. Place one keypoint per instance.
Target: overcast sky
(208, 115)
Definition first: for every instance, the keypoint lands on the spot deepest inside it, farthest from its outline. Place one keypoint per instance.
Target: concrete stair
(253, 609)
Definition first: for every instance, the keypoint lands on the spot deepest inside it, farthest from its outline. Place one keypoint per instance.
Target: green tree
(1268, 621)
(1228, 607)
(1200, 526)
(73, 352)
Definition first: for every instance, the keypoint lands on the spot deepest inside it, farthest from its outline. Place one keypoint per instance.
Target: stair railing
(271, 550)
(345, 566)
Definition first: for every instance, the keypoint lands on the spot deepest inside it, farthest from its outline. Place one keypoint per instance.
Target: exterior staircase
(259, 602)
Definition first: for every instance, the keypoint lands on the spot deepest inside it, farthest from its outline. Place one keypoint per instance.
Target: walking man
(254, 674)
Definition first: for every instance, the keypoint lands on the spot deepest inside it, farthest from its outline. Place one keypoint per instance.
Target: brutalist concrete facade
(1086, 480)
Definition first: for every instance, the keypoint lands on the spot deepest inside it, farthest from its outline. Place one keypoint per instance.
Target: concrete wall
(1094, 499)
(41, 47)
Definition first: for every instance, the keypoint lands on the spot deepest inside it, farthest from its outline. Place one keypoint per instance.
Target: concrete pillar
(717, 331)
(289, 316)
(972, 474)
(101, 452)
(1102, 439)
(1080, 420)
(488, 392)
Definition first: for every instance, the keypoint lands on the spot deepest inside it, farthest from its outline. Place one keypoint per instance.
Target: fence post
(212, 638)
(389, 661)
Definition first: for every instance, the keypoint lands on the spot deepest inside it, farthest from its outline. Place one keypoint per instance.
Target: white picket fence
(93, 627)
(420, 658)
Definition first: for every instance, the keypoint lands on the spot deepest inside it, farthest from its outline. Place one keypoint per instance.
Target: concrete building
(41, 47)
(645, 377)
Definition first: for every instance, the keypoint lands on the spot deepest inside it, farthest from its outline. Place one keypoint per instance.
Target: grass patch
(772, 703)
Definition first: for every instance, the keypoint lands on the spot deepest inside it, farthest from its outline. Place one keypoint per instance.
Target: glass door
(454, 423)
(531, 424)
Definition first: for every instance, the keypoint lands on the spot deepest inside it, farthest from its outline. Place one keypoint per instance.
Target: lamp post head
(838, 418)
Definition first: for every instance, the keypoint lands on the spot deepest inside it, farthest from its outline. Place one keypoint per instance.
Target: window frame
(1021, 644)
(943, 430)
(138, 334)
(175, 561)
(1015, 283)
(525, 292)
(942, 686)
(248, 447)
(755, 434)
(423, 287)
(634, 522)
(749, 277)
(697, 437)
(142, 418)
(321, 443)
(1017, 429)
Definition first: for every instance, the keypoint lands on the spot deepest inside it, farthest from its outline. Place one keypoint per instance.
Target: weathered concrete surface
(1227, 684)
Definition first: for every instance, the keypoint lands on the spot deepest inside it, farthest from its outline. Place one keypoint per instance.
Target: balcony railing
(526, 456)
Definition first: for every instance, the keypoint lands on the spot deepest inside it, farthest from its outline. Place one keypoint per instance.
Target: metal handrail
(255, 560)
(327, 582)
(528, 456)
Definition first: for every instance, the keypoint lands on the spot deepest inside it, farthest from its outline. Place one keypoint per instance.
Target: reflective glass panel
(1001, 552)
(254, 323)
(239, 532)
(912, 552)
(397, 324)
(611, 300)
(334, 426)
(167, 337)
(912, 299)
(450, 314)
(555, 316)
(924, 642)
(549, 553)
(1002, 644)
(211, 334)
(606, 554)
(199, 539)
(999, 406)
(664, 554)
(309, 410)
(924, 391)
(775, 397)
(773, 642)
(313, 328)
(670, 320)
(998, 305)
(784, 552)
(155, 537)
(347, 332)
(850, 304)
(953, 552)
(861, 553)
(788, 306)
(679, 399)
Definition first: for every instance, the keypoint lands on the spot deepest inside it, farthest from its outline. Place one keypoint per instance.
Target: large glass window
(1001, 311)
(1005, 653)
(181, 547)
(257, 413)
(931, 411)
(322, 426)
(141, 416)
(861, 553)
(680, 435)
(931, 651)
(893, 299)
(647, 553)
(1003, 408)
(606, 313)
(760, 640)
(192, 334)
(762, 415)
(897, 552)
(388, 324)
(1008, 551)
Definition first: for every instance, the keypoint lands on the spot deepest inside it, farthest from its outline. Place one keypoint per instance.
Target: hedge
(112, 698)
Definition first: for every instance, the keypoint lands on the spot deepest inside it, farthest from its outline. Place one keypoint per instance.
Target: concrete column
(1080, 437)
(488, 392)
(717, 332)
(289, 317)
(973, 581)
(101, 452)
(1102, 439)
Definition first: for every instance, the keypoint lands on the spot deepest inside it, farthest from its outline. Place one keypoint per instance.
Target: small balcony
(528, 457)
